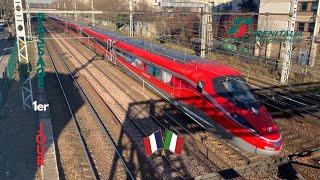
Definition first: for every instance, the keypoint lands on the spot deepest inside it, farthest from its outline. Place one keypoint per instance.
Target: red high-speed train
(215, 95)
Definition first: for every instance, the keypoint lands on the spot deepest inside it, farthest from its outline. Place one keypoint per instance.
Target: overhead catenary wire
(244, 82)
(268, 62)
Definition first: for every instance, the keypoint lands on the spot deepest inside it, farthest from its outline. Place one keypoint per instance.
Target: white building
(307, 21)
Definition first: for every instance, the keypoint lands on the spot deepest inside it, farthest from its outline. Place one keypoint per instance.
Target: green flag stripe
(168, 139)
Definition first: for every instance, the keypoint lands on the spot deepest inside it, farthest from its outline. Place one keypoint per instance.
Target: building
(307, 21)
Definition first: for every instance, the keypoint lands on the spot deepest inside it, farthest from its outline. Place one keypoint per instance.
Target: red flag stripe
(147, 146)
(179, 145)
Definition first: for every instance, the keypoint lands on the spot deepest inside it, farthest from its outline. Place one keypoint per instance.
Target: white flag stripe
(153, 143)
(173, 142)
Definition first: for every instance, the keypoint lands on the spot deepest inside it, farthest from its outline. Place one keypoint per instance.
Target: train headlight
(277, 144)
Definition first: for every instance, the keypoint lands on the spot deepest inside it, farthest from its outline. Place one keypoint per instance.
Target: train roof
(172, 54)
(206, 64)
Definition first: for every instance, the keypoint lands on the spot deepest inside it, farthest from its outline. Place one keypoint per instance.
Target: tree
(248, 6)
(6, 7)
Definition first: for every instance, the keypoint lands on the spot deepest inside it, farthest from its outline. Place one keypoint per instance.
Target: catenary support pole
(27, 97)
(131, 19)
(288, 50)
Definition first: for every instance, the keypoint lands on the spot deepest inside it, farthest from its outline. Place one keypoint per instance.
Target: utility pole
(64, 5)
(288, 50)
(131, 19)
(93, 19)
(204, 23)
(59, 8)
(75, 9)
(29, 34)
(314, 46)
(27, 97)
(204, 7)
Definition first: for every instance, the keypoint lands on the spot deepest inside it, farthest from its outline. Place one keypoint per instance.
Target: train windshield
(236, 91)
(239, 90)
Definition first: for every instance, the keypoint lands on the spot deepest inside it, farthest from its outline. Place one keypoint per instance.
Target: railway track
(120, 111)
(92, 161)
(120, 80)
(227, 153)
(299, 127)
(303, 102)
(221, 164)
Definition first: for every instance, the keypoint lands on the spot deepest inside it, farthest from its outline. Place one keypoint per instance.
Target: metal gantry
(27, 96)
(28, 20)
(131, 19)
(92, 16)
(288, 51)
(205, 11)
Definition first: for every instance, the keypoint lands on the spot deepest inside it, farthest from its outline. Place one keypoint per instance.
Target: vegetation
(23, 71)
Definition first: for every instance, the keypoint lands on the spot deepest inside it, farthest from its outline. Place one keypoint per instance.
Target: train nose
(270, 146)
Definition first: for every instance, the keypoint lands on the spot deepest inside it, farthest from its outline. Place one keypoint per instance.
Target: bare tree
(262, 41)
(8, 14)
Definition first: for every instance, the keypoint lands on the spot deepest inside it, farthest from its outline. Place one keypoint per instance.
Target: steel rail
(176, 122)
(131, 118)
(96, 116)
(75, 121)
(172, 119)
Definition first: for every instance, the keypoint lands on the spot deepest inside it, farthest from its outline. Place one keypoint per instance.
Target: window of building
(300, 26)
(304, 6)
(311, 27)
(314, 6)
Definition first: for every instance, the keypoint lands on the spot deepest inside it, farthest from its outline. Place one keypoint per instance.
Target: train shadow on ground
(18, 129)
(139, 117)
(61, 118)
(143, 113)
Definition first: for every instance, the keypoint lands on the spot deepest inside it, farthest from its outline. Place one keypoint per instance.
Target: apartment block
(307, 21)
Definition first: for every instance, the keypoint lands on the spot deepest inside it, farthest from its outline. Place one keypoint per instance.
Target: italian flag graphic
(173, 142)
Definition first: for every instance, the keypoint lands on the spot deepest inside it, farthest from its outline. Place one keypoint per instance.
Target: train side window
(157, 73)
(153, 71)
(149, 69)
(138, 64)
(166, 77)
(84, 34)
(121, 54)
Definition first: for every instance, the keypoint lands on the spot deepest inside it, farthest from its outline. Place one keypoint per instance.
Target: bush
(23, 71)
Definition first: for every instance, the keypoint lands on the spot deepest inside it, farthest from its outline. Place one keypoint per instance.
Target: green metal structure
(8, 75)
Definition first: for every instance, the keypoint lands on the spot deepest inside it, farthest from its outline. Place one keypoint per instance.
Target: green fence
(8, 75)
(233, 47)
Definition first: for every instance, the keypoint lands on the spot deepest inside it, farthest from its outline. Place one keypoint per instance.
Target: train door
(177, 86)
(110, 47)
